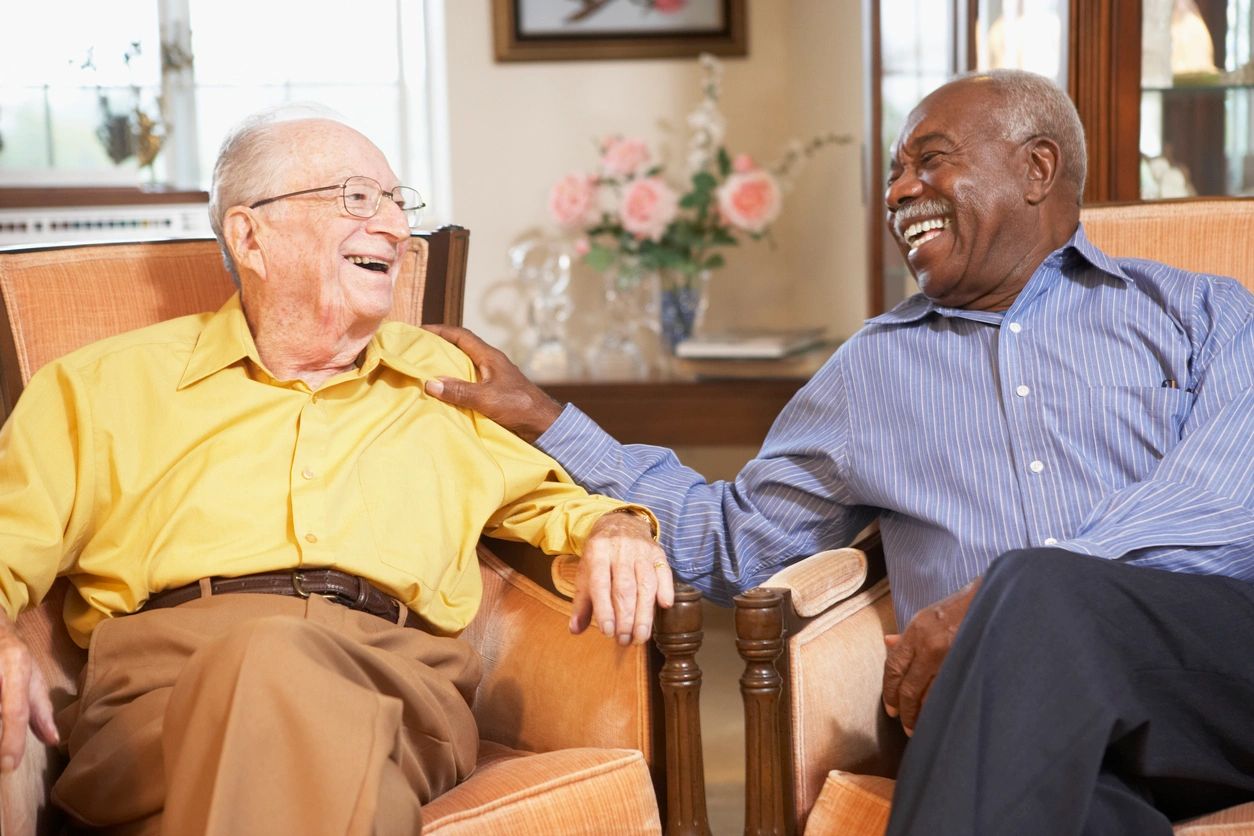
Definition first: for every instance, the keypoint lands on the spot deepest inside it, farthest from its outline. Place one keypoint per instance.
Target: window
(69, 102)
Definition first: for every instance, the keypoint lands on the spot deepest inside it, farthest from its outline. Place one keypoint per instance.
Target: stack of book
(756, 353)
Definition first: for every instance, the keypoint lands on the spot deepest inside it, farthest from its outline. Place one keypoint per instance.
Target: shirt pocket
(1134, 427)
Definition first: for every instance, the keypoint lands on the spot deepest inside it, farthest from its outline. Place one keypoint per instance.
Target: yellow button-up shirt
(164, 455)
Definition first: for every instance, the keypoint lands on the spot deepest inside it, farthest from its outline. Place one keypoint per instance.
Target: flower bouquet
(635, 223)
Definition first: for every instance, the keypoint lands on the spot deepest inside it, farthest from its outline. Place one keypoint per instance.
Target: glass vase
(616, 355)
(543, 265)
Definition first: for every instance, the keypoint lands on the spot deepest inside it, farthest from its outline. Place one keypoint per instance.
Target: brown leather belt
(339, 587)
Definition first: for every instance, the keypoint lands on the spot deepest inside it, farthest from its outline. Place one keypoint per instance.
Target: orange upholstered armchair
(821, 751)
(572, 731)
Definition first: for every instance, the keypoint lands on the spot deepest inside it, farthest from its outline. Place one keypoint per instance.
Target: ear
(1043, 163)
(239, 229)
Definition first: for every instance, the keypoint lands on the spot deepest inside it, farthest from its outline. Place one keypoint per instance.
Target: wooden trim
(56, 197)
(510, 45)
(678, 636)
(873, 157)
(1104, 80)
(447, 251)
(768, 768)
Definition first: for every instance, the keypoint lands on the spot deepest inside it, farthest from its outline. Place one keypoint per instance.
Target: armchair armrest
(816, 707)
(545, 689)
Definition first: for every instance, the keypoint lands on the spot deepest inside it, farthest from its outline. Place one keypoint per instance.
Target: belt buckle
(298, 579)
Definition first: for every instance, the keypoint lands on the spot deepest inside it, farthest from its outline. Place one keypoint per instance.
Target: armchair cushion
(858, 805)
(569, 791)
(851, 805)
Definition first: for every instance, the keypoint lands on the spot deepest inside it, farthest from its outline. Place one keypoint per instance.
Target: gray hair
(1036, 106)
(246, 168)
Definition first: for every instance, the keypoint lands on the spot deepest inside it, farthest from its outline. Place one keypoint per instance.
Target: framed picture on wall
(580, 30)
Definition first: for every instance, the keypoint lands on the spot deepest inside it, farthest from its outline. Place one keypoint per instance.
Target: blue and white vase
(682, 301)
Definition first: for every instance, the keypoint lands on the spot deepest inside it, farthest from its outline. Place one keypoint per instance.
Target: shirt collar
(226, 339)
(1077, 251)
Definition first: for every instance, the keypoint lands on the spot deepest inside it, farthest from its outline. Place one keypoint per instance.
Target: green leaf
(724, 162)
(692, 200)
(722, 236)
(714, 262)
(599, 258)
(703, 181)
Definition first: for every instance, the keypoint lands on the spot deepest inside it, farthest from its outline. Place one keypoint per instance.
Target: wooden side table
(683, 412)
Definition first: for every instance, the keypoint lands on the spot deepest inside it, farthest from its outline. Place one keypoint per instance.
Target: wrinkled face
(317, 256)
(956, 198)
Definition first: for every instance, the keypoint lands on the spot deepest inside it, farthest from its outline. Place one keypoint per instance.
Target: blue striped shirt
(1109, 411)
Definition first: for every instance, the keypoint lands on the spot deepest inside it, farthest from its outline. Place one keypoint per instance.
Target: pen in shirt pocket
(1170, 383)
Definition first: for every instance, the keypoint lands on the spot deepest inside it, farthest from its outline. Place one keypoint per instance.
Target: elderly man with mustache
(1059, 448)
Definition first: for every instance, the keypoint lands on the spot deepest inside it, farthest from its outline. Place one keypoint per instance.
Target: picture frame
(585, 30)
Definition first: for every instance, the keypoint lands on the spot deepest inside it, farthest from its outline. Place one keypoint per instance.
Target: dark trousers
(1085, 696)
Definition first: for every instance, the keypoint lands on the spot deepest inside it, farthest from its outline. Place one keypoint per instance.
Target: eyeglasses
(361, 197)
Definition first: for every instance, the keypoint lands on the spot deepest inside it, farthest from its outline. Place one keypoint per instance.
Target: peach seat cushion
(570, 791)
(857, 805)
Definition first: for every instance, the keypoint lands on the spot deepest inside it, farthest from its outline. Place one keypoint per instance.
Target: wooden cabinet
(1165, 89)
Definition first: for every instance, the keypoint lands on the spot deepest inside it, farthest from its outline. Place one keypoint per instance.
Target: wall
(514, 128)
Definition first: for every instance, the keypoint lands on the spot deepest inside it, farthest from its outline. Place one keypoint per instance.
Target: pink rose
(669, 7)
(743, 163)
(582, 247)
(624, 157)
(647, 207)
(572, 200)
(750, 200)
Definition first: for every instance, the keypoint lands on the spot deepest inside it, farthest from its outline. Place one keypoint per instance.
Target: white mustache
(912, 212)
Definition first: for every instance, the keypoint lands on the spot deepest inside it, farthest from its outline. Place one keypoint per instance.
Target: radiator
(104, 223)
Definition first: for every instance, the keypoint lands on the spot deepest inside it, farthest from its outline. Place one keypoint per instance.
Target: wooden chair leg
(678, 635)
(760, 640)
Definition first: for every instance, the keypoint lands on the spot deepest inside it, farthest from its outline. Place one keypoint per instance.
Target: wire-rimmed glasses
(361, 197)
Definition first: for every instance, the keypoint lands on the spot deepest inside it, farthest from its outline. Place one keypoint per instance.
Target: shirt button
(1037, 466)
(311, 537)
(1022, 391)
(1015, 327)
(307, 473)
(1051, 541)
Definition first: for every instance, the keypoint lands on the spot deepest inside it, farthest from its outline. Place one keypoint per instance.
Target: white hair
(1036, 106)
(248, 166)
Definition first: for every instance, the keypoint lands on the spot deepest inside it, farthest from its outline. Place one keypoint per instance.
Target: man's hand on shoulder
(623, 574)
(915, 656)
(24, 699)
(503, 392)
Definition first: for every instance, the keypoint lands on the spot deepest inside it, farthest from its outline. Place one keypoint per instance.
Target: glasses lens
(410, 202)
(361, 196)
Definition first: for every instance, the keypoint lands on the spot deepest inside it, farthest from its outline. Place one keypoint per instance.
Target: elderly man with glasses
(281, 445)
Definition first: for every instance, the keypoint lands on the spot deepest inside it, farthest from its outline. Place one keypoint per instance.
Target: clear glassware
(543, 266)
(617, 354)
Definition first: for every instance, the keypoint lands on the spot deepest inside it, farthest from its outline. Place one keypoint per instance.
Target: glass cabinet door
(1022, 35)
(1197, 79)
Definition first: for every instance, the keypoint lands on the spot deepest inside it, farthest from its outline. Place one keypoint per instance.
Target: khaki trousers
(262, 714)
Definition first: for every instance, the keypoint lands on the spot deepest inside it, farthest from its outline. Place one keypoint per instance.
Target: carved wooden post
(678, 636)
(759, 638)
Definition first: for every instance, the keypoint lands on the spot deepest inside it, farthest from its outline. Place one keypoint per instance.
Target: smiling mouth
(919, 233)
(367, 263)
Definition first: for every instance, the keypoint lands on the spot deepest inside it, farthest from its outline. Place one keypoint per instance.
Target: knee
(1029, 587)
